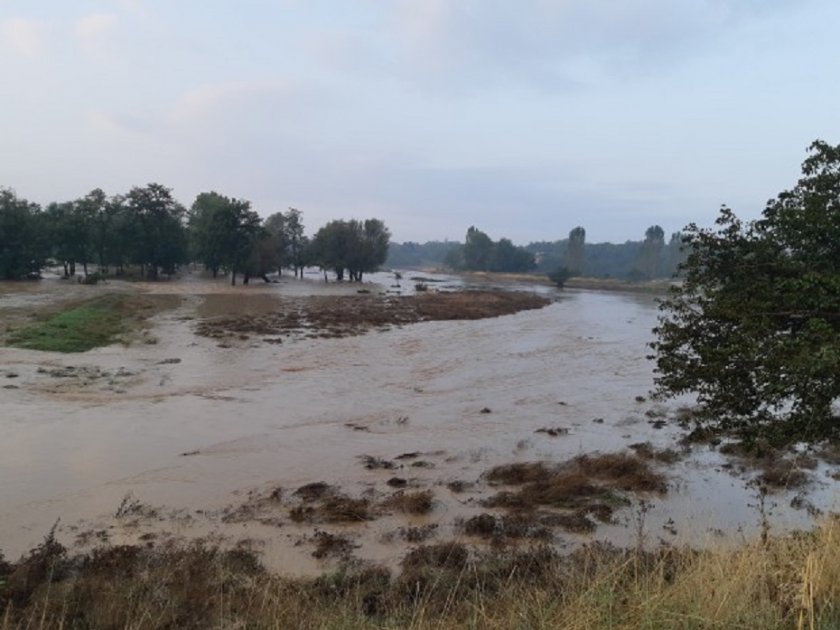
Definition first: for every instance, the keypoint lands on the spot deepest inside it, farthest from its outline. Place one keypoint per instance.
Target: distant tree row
(149, 230)
(632, 260)
(480, 253)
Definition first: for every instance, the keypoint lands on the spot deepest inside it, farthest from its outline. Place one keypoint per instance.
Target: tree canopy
(480, 253)
(355, 246)
(754, 330)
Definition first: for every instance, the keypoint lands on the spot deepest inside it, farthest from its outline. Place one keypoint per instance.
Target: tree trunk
(72, 268)
(66, 275)
(84, 266)
(233, 277)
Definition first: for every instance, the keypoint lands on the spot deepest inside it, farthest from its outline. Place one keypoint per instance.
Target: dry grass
(789, 582)
(586, 484)
(322, 503)
(782, 474)
(342, 316)
(420, 502)
(513, 526)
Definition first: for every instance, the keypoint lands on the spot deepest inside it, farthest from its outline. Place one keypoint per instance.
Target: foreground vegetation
(754, 330)
(79, 328)
(786, 582)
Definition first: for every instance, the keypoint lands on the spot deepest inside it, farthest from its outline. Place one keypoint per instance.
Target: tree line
(646, 259)
(148, 229)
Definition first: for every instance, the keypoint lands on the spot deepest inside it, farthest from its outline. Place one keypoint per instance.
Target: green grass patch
(88, 325)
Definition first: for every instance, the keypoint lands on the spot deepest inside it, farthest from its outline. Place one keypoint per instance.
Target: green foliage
(650, 252)
(78, 329)
(478, 250)
(22, 242)
(480, 253)
(419, 255)
(156, 220)
(754, 330)
(559, 276)
(355, 246)
(225, 232)
(576, 253)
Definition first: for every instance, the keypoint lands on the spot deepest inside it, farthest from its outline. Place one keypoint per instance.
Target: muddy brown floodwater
(188, 436)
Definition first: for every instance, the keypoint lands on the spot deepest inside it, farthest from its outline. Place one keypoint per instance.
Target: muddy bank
(345, 316)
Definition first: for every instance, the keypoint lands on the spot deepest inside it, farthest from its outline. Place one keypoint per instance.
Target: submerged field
(322, 429)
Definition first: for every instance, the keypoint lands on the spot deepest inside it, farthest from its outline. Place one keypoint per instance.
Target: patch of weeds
(515, 526)
(131, 507)
(519, 473)
(313, 491)
(782, 474)
(397, 482)
(331, 545)
(622, 471)
(417, 534)
(647, 451)
(575, 522)
(448, 555)
(377, 463)
(343, 509)
(420, 502)
(581, 483)
(553, 431)
(459, 486)
(88, 325)
(302, 513)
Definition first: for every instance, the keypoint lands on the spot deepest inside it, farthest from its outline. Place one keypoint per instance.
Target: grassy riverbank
(77, 328)
(81, 326)
(787, 582)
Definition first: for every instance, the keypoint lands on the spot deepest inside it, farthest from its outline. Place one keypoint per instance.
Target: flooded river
(192, 429)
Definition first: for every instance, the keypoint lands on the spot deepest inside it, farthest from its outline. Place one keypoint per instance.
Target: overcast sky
(523, 118)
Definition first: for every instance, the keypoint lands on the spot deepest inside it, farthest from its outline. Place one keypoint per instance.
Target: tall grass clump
(790, 581)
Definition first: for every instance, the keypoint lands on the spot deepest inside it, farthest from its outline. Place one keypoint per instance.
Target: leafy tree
(676, 253)
(508, 257)
(420, 255)
(209, 222)
(22, 243)
(372, 237)
(61, 232)
(157, 219)
(651, 249)
(275, 226)
(296, 241)
(478, 250)
(354, 246)
(754, 330)
(559, 276)
(575, 254)
(480, 253)
(121, 243)
(454, 258)
(99, 213)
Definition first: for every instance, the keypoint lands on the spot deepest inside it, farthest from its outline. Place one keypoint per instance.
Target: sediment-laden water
(190, 430)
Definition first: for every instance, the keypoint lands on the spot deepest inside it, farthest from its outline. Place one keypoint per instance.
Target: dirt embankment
(343, 316)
